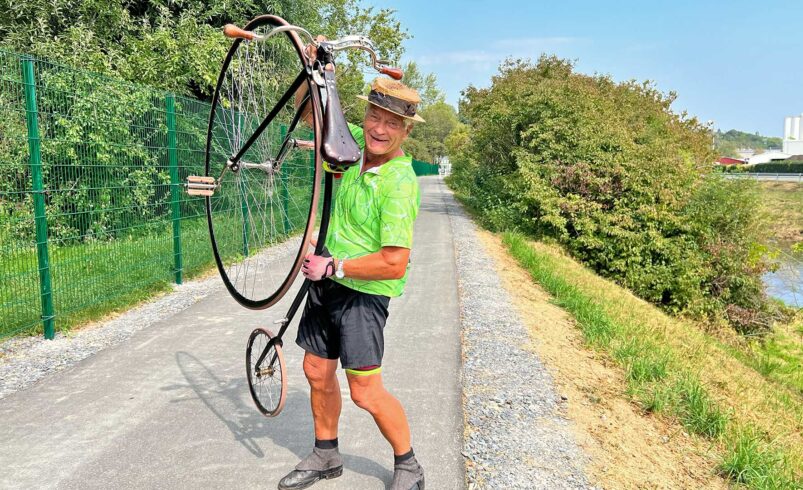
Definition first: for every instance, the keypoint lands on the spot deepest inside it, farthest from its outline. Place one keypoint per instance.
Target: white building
(767, 157)
(793, 135)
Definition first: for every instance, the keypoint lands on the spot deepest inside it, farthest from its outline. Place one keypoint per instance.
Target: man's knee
(366, 388)
(320, 372)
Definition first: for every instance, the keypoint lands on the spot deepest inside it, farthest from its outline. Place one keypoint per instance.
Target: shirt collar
(405, 159)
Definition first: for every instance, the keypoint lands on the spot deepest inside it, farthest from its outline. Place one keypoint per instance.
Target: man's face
(384, 131)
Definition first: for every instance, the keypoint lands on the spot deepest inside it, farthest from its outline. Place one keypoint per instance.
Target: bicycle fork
(285, 322)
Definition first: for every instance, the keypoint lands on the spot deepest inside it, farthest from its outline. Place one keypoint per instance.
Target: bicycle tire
(261, 217)
(268, 384)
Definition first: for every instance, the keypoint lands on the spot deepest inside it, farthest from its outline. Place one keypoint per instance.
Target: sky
(736, 63)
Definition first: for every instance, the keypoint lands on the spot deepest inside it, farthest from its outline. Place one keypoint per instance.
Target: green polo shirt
(374, 209)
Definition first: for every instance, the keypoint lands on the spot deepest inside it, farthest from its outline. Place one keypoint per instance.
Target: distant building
(745, 153)
(793, 135)
(729, 161)
(767, 157)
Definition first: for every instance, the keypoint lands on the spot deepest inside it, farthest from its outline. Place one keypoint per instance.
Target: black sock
(404, 457)
(328, 444)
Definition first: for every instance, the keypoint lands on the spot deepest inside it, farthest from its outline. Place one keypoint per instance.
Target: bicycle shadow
(229, 400)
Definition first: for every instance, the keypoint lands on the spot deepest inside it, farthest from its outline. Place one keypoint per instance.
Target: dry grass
(627, 448)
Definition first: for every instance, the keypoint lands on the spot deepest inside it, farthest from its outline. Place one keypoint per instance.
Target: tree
(611, 172)
(441, 120)
(426, 85)
(178, 46)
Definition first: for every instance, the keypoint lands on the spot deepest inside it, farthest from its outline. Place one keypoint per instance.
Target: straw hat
(395, 97)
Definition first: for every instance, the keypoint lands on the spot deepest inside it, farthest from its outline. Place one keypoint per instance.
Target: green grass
(783, 202)
(657, 377)
(753, 463)
(92, 279)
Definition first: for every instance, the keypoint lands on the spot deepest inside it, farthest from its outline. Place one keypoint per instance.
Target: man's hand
(316, 267)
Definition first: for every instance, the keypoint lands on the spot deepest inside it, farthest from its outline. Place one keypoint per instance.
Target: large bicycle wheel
(262, 213)
(264, 363)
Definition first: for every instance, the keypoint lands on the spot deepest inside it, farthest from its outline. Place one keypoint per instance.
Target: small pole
(40, 220)
(175, 191)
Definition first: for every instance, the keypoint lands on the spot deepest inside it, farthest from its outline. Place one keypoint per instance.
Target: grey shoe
(321, 464)
(408, 475)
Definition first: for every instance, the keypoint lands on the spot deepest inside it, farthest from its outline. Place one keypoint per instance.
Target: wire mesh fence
(92, 213)
(88, 192)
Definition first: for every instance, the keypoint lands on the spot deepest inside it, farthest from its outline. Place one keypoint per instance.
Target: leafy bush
(787, 167)
(610, 172)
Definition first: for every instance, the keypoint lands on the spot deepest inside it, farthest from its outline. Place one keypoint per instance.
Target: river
(786, 283)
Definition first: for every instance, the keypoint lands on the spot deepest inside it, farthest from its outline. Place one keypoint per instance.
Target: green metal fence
(424, 168)
(92, 215)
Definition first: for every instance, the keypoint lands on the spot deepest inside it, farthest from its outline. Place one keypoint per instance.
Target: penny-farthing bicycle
(263, 174)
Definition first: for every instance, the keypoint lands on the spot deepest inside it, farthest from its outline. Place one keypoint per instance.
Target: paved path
(170, 408)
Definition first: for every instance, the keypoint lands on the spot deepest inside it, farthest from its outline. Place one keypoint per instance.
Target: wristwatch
(339, 272)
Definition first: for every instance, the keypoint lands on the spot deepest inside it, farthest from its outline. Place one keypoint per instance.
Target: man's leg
(324, 462)
(370, 394)
(324, 397)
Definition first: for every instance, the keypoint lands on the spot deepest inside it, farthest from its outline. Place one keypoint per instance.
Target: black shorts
(339, 322)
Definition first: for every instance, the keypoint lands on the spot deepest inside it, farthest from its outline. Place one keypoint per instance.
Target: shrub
(609, 171)
(787, 167)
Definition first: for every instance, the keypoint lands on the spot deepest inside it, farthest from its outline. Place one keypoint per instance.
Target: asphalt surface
(170, 407)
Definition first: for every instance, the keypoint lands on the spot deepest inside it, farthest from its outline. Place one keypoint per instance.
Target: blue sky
(737, 63)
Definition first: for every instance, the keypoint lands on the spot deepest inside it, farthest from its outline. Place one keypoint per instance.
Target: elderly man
(369, 240)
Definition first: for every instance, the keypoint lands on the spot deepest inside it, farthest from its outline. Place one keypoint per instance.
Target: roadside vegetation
(601, 191)
(677, 371)
(624, 184)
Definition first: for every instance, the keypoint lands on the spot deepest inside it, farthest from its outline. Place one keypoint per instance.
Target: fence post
(175, 191)
(283, 183)
(32, 121)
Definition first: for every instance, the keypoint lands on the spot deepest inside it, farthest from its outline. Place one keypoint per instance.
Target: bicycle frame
(285, 322)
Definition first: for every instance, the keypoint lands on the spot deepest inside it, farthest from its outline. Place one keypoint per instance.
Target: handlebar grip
(394, 73)
(234, 32)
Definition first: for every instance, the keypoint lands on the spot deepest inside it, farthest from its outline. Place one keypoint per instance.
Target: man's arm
(387, 263)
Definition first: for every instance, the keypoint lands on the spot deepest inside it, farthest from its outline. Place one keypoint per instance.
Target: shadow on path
(229, 401)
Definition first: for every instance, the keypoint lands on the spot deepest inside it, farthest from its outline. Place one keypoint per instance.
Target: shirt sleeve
(400, 202)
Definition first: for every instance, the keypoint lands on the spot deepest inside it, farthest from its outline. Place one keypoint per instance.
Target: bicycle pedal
(198, 185)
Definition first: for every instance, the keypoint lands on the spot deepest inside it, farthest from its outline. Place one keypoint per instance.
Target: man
(369, 240)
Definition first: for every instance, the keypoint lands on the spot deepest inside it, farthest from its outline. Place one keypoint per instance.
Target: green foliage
(177, 46)
(727, 143)
(787, 167)
(752, 463)
(427, 142)
(426, 85)
(609, 171)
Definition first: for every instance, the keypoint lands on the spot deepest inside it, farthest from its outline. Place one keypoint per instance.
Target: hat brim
(415, 117)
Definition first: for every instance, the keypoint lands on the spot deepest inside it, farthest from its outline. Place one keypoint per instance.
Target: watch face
(339, 274)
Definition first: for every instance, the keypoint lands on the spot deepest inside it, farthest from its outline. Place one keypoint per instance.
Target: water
(786, 283)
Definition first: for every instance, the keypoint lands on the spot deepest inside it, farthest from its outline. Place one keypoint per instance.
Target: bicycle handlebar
(347, 42)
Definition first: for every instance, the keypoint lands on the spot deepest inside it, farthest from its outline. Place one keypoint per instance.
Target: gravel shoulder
(516, 431)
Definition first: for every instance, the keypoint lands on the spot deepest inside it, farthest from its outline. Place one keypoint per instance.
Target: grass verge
(675, 370)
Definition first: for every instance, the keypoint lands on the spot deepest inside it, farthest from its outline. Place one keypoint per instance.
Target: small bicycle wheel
(262, 213)
(264, 363)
